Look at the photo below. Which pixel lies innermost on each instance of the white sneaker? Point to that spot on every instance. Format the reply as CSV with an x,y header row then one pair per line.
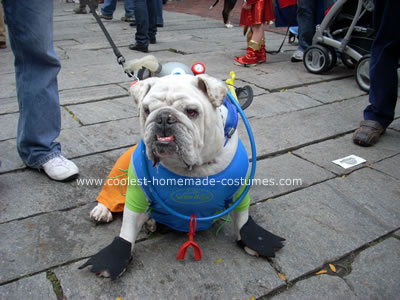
x,y
297,56
60,169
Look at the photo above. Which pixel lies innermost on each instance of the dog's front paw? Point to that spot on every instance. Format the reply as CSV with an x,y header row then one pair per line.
x,y
112,261
257,241
100,213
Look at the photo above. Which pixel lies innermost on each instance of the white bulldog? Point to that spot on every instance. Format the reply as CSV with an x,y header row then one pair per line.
x,y
183,124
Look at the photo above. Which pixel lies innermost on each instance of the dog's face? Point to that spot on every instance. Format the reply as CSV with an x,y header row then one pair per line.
x,y
180,123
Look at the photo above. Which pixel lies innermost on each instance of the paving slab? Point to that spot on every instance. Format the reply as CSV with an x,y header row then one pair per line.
x,y
98,138
49,240
92,75
9,157
89,94
40,194
395,124
104,111
308,126
329,220
5,58
276,75
278,103
9,124
318,287
8,105
390,166
36,287
224,272
282,174
376,270
325,152
8,81
332,91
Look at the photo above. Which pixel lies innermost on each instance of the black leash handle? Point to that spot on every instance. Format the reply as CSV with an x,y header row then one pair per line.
x,y
120,57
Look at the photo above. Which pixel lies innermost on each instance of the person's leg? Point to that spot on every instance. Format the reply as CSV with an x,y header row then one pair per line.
x,y
108,8
254,46
129,6
160,19
152,10
142,26
81,9
30,26
385,54
306,22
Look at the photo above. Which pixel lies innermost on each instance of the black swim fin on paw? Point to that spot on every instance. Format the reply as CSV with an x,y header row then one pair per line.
x,y
114,258
258,239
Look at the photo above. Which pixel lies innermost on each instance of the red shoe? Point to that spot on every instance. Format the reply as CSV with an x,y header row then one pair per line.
x,y
249,59
261,55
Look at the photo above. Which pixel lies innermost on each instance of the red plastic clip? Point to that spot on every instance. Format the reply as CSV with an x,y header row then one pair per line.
x,y
197,251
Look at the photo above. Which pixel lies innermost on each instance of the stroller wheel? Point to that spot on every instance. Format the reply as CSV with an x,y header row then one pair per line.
x,y
362,73
332,58
317,59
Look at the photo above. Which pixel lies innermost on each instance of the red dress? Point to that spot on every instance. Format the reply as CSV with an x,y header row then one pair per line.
x,y
261,11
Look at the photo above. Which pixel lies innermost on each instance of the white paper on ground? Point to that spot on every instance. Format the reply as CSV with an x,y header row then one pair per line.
x,y
349,161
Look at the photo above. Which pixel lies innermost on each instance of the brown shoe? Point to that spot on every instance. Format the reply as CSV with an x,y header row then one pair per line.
x,y
368,133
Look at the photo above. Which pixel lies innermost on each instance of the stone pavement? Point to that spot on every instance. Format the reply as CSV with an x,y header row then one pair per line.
x,y
346,218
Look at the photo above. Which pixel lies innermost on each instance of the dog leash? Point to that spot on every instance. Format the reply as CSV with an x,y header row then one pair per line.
x,y
120,57
273,52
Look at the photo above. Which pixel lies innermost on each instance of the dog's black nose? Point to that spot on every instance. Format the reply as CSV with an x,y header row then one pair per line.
x,y
165,118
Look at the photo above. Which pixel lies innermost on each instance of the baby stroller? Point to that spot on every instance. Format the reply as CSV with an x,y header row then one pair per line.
x,y
346,31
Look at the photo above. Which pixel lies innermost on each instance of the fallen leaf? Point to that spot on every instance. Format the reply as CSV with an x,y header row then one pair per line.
x,y
283,277
218,260
332,267
289,152
119,298
321,272
252,298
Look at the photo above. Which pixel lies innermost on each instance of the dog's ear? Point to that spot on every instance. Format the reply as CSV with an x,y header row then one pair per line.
x,y
214,89
140,89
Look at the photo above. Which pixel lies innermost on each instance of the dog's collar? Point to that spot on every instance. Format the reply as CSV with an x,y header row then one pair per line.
x,y
231,120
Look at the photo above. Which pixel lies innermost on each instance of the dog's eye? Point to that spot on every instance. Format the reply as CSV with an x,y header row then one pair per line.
x,y
191,113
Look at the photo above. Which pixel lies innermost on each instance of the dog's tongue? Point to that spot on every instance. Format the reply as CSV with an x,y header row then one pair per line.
x,y
170,138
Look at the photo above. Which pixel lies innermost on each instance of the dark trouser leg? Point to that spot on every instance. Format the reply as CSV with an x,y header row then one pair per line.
x,y
152,9
385,54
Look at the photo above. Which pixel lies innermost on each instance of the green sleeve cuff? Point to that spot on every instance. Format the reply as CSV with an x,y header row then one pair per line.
x,y
245,204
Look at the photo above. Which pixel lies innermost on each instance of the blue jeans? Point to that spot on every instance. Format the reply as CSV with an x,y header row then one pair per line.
x,y
30,27
309,14
160,19
110,6
146,16
385,55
